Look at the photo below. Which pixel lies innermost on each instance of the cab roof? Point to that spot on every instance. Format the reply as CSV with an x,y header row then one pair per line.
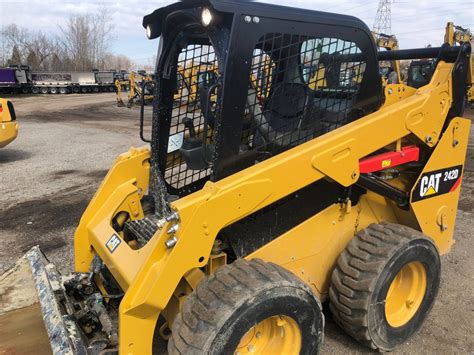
x,y
247,7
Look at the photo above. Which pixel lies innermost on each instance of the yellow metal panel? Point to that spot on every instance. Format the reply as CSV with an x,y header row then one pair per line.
x,y
310,250
8,133
126,182
397,92
437,215
8,128
426,122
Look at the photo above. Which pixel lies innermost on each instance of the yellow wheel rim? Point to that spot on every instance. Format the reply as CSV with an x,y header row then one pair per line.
x,y
405,294
274,335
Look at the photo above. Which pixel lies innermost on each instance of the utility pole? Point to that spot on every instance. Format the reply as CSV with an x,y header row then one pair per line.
x,y
383,19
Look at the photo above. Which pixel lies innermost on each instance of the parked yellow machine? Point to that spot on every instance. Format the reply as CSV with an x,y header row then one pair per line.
x,y
8,124
226,234
456,35
136,84
389,43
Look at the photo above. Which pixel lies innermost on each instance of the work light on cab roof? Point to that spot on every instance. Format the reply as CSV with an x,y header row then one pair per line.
x,y
206,16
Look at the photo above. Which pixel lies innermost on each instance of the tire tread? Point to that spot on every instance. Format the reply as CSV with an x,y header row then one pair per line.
x,y
206,309
355,275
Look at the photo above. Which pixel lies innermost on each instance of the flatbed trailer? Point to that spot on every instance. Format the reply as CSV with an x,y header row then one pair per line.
x,y
20,79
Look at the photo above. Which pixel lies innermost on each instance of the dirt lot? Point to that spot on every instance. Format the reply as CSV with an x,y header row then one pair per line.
x,y
66,145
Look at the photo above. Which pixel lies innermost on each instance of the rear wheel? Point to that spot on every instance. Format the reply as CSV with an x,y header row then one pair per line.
x,y
63,90
76,89
53,90
385,284
249,307
44,90
84,89
35,90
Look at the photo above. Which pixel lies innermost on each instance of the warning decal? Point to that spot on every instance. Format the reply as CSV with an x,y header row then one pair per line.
x,y
113,243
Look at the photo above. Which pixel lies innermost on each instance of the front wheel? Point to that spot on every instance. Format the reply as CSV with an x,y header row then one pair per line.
x,y
249,307
385,284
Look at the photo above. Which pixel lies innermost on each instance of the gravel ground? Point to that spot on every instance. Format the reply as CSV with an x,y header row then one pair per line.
x,y
64,148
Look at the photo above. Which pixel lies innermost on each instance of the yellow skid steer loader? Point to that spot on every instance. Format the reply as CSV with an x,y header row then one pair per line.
x,y
227,233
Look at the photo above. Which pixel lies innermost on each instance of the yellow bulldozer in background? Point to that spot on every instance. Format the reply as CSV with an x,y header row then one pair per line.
x,y
227,232
8,124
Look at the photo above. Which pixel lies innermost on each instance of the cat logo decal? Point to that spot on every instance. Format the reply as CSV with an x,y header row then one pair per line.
x,y
438,182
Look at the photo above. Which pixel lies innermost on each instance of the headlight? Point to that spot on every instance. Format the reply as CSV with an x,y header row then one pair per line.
x,y
148,31
206,17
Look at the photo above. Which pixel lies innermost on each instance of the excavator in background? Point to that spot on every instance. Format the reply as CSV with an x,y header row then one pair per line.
x,y
199,74
226,233
192,79
136,84
8,123
390,73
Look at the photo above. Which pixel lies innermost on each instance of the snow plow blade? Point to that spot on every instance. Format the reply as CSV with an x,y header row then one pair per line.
x,y
31,282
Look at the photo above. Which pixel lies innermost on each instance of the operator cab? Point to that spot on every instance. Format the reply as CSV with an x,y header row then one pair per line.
x,y
274,79
420,73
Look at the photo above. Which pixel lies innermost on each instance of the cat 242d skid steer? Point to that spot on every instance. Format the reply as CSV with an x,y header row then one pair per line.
x,y
244,215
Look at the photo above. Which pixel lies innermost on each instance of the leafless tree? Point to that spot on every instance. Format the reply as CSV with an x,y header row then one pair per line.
x,y
118,62
83,45
25,44
86,39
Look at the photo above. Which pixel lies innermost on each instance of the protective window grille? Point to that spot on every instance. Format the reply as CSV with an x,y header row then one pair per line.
x,y
300,88
196,68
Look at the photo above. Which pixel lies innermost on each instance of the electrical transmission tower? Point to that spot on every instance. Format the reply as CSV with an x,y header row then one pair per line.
x,y
383,19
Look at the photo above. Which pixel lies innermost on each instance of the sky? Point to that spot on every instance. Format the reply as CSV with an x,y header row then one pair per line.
x,y
416,23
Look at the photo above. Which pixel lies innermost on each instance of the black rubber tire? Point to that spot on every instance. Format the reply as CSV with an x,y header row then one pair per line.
x,y
84,90
228,303
44,90
53,90
35,90
364,272
63,90
76,90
